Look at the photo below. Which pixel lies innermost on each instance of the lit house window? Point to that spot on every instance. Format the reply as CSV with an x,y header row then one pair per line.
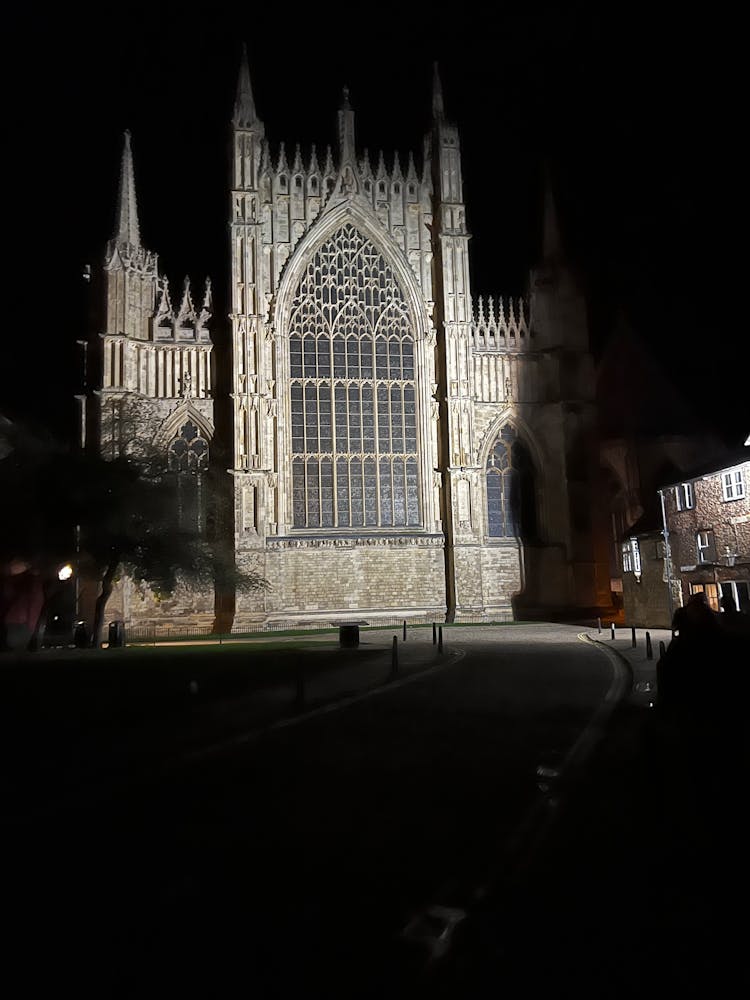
x,y
636,556
733,484
353,392
684,496
710,590
704,542
627,558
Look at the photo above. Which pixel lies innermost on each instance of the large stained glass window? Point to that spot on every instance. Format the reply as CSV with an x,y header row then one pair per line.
x,y
511,506
353,393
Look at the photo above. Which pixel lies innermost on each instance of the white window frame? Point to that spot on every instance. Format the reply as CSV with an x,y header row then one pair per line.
x,y
703,546
734,585
733,484
637,568
627,558
684,496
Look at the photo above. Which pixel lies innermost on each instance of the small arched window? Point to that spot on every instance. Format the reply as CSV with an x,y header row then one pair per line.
x,y
282,182
511,504
314,185
397,189
298,182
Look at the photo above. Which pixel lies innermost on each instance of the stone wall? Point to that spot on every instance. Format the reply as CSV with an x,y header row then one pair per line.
x,y
646,597
728,519
139,606
348,578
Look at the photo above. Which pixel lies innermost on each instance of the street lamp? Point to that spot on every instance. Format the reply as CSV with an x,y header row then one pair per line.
x,y
65,572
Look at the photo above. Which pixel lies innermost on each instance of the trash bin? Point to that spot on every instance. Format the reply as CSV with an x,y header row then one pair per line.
x,y
348,635
116,634
80,635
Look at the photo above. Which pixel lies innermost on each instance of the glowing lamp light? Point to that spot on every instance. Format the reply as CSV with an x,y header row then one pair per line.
x,y
65,572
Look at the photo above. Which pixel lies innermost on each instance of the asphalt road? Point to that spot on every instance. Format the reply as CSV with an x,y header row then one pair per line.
x,y
305,856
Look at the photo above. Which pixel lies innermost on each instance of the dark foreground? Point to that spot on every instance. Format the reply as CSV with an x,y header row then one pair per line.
x,y
289,864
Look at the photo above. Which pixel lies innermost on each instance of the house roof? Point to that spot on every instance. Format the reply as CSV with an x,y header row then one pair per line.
x,y
734,458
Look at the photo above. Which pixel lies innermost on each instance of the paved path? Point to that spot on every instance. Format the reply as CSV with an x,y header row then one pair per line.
x,y
290,859
641,887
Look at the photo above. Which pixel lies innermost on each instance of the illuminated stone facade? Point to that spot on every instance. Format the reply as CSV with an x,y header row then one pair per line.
x,y
399,448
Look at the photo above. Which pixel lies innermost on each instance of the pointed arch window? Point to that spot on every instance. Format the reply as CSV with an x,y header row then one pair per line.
x,y
353,392
511,505
188,450
187,459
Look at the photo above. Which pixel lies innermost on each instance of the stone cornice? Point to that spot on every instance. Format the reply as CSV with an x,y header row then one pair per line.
x,y
354,541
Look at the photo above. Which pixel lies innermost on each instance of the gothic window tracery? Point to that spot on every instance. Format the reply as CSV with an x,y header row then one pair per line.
x,y
187,459
353,392
188,451
511,507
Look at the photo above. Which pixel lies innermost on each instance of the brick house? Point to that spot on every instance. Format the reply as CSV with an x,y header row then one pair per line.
x,y
706,518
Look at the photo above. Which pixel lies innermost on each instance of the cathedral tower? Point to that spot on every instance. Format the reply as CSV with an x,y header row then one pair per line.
x,y
336,496
399,448
155,400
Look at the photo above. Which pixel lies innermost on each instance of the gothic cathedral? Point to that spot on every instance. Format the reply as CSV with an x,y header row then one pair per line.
x,y
400,449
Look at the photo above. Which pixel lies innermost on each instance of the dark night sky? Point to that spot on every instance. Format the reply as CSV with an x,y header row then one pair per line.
x,y
639,119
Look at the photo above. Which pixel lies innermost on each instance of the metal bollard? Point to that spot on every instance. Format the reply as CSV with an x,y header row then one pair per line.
x,y
649,650
612,627
434,633
394,657
440,639
662,648
404,630
599,624
632,636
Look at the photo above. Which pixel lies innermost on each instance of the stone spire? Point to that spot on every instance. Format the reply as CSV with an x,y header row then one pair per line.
x,y
438,108
346,130
244,105
186,315
552,248
127,208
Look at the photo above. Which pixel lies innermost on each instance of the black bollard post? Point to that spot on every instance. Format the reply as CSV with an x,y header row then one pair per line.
x,y
440,639
434,633
394,657
662,648
612,635
649,650
599,624
632,636
404,630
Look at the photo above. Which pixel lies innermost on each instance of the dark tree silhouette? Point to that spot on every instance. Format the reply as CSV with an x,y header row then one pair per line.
x,y
108,517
